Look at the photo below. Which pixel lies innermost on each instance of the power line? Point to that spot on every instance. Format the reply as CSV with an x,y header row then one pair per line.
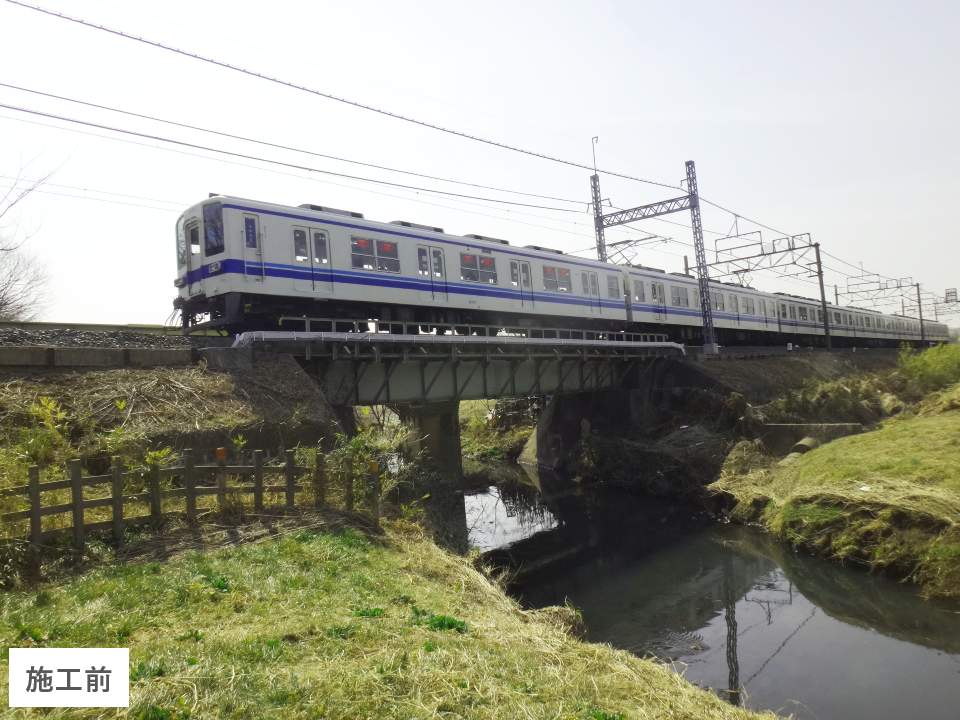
x,y
313,179
318,93
105,200
99,192
281,147
147,136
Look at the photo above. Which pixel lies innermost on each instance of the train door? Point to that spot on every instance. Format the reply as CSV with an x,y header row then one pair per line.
x,y
659,300
252,248
322,265
432,272
521,281
303,274
591,288
194,261
735,308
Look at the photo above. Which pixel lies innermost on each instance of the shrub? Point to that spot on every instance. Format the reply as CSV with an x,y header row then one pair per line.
x,y
931,369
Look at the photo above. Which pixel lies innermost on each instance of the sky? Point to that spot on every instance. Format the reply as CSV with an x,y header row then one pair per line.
x,y
833,119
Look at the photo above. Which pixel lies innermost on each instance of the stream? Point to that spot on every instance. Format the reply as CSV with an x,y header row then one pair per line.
x,y
733,609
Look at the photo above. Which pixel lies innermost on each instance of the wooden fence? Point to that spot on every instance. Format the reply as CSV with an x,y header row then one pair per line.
x,y
190,489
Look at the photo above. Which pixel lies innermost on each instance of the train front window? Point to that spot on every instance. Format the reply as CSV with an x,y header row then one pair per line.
x,y
320,256
213,229
300,246
193,238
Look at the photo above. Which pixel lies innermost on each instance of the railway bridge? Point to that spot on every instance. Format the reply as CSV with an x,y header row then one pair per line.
x,y
425,376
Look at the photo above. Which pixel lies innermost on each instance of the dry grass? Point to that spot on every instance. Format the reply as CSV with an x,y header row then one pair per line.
x,y
321,623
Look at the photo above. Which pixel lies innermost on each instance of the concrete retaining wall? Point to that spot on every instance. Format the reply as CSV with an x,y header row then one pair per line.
x,y
93,357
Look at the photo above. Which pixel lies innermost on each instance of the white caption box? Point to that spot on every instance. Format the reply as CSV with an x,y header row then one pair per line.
x,y
69,677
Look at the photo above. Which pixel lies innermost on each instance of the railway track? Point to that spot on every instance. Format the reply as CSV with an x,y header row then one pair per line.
x,y
99,328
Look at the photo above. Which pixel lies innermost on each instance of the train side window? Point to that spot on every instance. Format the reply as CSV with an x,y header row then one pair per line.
x,y
734,305
437,263
423,262
638,290
361,253
717,300
748,307
250,232
525,275
586,283
213,229
819,316
515,273
468,268
783,311
613,287
594,285
836,318
320,254
679,296
388,256
549,278
300,246
564,281
793,312
488,270
803,313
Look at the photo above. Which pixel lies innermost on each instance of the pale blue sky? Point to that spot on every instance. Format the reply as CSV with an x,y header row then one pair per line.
x,y
838,119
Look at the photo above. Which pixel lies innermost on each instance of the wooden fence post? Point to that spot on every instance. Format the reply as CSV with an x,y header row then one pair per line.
x,y
319,481
348,486
258,481
221,477
375,492
190,481
76,485
156,511
116,492
291,478
36,527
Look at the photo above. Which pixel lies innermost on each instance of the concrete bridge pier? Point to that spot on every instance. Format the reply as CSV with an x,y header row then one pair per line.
x,y
438,426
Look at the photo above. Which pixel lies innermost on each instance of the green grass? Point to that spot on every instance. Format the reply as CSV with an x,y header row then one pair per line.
x,y
330,624
889,498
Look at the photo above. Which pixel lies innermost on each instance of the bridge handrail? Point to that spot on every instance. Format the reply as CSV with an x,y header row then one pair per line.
x,y
247,339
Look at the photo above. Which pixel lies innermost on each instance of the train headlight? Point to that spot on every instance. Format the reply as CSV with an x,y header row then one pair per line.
x,y
179,282
214,267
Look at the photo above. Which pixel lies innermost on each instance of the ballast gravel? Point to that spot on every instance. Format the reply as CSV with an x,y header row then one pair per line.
x,y
112,339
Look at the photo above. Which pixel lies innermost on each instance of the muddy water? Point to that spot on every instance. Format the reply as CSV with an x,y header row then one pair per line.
x,y
731,608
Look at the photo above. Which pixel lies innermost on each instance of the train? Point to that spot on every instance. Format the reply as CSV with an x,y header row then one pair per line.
x,y
246,265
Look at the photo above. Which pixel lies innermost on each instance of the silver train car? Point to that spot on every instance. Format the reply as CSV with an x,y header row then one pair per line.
x,y
245,264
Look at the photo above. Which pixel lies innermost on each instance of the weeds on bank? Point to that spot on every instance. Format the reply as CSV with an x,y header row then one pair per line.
x,y
889,499
346,637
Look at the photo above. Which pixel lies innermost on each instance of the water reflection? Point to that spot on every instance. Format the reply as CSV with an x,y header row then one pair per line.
x,y
737,612
500,515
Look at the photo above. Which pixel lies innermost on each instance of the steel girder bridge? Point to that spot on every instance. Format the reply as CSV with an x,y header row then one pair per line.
x,y
386,368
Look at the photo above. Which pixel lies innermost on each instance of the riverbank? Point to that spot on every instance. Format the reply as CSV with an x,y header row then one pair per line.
x,y
326,621
888,499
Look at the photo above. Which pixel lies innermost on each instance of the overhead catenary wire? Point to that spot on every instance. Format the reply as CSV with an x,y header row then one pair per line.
x,y
312,179
281,147
245,156
319,93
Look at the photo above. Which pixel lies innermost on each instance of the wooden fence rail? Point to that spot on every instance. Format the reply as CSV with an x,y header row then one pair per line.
x,y
154,494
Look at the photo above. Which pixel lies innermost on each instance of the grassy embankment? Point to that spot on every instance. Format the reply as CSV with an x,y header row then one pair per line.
x,y
486,440
889,498
325,623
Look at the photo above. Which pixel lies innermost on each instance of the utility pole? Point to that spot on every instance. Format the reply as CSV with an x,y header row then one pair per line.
x,y
920,313
836,296
823,299
703,279
598,218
